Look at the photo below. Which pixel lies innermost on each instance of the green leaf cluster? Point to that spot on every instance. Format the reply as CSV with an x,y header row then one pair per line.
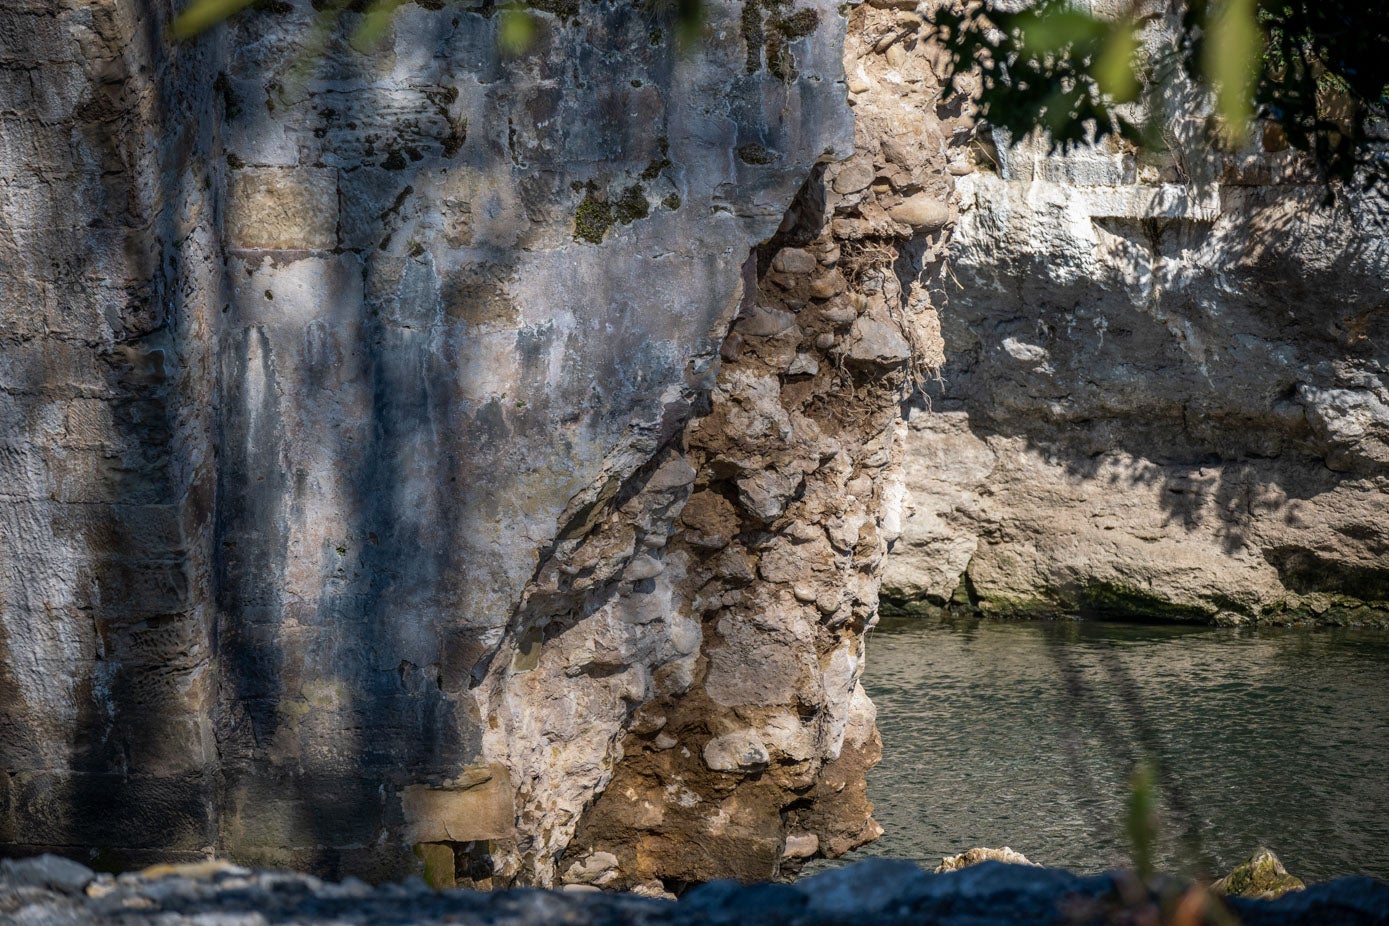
x,y
1316,69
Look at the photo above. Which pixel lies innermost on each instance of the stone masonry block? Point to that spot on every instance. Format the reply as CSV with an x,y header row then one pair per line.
x,y
98,809
480,808
284,209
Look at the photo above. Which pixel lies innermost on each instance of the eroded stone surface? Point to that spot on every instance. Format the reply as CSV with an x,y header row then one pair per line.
x,y
1262,877
749,751
981,854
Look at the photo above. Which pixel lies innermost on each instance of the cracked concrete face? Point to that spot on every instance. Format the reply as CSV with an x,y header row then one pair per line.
x,y
1161,399
311,374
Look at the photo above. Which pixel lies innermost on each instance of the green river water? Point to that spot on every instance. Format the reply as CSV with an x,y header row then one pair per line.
x,y
1024,734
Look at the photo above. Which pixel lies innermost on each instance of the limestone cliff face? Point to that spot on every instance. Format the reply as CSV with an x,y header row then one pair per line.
x,y
1162,398
384,482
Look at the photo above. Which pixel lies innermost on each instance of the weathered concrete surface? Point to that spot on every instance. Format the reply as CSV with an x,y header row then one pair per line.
x,y
874,892
321,365
109,282
504,293
1161,398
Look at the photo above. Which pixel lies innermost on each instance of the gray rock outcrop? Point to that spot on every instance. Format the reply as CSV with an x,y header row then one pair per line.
x,y
1162,398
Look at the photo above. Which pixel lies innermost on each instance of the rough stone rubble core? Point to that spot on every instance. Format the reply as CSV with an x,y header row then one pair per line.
x,y
347,514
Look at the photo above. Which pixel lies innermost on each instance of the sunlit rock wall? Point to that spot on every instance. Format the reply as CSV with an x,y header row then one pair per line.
x,y
314,356
1164,397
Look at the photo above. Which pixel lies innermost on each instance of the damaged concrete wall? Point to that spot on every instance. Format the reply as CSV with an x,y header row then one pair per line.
x,y
319,363
1164,398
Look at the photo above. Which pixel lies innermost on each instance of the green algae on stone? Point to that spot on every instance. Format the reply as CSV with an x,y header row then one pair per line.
x,y
1111,599
632,205
753,35
798,25
654,169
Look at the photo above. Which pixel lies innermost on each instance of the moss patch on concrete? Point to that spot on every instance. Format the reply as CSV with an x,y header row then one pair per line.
x,y
592,220
753,153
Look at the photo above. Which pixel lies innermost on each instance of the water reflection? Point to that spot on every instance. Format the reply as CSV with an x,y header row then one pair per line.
x,y
1024,734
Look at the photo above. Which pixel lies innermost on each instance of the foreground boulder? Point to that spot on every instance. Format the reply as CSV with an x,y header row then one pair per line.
x,y
1263,876
877,891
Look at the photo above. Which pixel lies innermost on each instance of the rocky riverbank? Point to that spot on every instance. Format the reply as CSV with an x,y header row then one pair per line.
x,y
48,891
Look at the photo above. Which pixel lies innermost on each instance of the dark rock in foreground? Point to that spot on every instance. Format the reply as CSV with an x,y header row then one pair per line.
x,y
49,892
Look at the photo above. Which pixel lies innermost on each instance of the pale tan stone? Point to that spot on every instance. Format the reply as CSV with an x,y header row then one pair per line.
x,y
277,208
468,813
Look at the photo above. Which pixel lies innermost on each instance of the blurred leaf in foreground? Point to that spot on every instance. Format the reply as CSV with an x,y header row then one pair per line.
x,y
201,15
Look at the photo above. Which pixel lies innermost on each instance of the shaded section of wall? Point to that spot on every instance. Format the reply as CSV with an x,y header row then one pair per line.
x,y
107,265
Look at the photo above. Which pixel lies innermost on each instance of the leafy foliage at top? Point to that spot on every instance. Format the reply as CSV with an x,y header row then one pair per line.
x,y
1319,69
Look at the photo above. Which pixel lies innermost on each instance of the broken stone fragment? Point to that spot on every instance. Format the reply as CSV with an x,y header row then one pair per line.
x,y
734,752
898,151
794,260
803,365
982,854
801,845
827,285
764,322
838,313
710,520
597,868
877,342
643,567
786,734
855,175
766,493
921,210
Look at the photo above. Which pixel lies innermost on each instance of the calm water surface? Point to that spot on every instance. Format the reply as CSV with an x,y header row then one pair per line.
x,y
1024,734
